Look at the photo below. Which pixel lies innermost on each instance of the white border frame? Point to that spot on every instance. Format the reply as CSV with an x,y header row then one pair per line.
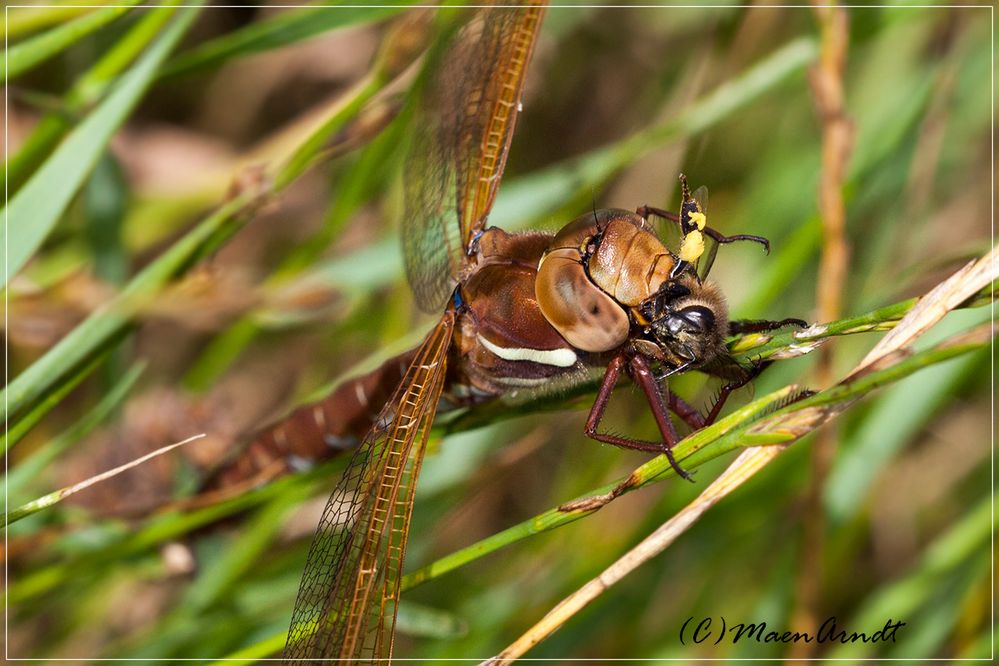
x,y
635,6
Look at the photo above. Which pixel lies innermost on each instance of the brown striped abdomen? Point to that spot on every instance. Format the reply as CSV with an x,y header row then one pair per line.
x,y
315,432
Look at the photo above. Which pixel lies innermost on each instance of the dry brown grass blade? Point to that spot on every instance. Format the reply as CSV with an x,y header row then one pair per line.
x,y
838,131
59,495
743,468
932,307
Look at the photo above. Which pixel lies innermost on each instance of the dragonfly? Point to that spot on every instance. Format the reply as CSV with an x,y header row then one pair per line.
x,y
518,311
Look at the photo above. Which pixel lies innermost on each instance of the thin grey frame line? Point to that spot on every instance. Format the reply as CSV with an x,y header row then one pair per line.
x,y
432,6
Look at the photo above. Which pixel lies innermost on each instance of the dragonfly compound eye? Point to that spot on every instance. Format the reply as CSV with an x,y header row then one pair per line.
x,y
580,311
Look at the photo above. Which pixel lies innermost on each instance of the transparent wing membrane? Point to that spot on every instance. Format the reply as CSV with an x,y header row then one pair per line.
x,y
707,259
462,128
462,125
346,604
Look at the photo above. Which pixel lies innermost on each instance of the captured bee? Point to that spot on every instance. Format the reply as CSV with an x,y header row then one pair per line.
x,y
613,290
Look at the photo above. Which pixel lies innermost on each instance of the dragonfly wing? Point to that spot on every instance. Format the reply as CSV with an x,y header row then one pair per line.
x,y
346,605
463,125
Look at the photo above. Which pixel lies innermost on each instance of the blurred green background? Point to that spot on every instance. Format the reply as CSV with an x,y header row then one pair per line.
x,y
126,128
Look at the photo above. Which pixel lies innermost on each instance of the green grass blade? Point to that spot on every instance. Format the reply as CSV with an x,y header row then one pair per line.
x,y
552,187
156,531
700,447
894,419
427,622
22,57
89,88
220,576
105,200
227,347
252,654
655,469
35,209
30,468
543,522
102,327
18,429
54,498
25,20
309,151
534,194
950,552
281,30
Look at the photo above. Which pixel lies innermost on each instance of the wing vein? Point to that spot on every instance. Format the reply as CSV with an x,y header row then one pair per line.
x,y
359,545
462,128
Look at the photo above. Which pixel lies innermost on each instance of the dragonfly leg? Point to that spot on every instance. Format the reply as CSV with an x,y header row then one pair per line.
x,y
591,430
642,374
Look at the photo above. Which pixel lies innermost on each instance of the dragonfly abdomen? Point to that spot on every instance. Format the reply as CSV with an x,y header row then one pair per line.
x,y
314,432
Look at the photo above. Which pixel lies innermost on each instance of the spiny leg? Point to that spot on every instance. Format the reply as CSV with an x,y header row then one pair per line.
x,y
642,374
645,211
726,390
743,326
721,239
687,412
612,374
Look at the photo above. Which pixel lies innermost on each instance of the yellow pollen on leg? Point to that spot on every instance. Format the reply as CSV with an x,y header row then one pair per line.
x,y
700,219
692,247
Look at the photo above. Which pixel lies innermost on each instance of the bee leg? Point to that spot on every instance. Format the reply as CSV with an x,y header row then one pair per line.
x,y
687,412
686,226
645,211
720,401
726,390
720,238
742,326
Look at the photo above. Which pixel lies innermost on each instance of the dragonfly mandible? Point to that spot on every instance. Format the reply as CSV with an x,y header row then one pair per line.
x,y
519,311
